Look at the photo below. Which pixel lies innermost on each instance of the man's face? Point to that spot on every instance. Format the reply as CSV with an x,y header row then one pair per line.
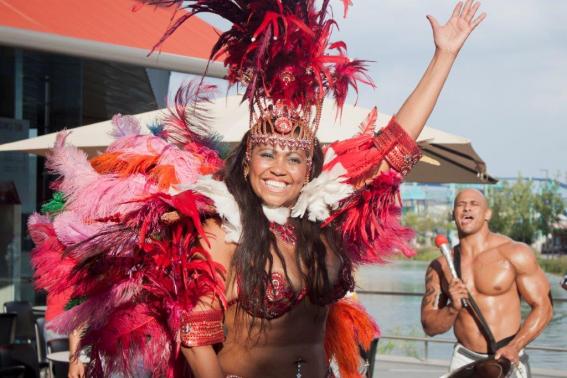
x,y
470,211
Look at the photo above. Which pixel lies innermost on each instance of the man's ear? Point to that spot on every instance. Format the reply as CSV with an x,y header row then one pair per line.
x,y
488,215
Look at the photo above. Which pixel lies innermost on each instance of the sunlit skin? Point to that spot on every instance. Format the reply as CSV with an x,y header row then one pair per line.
x,y
498,272
277,174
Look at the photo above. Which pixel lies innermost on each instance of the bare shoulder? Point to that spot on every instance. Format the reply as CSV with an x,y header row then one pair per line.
x,y
520,255
438,262
436,268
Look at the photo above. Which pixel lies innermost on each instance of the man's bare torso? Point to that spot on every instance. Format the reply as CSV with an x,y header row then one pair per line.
x,y
491,279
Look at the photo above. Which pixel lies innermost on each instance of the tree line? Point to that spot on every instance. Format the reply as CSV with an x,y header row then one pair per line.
x,y
520,210
523,213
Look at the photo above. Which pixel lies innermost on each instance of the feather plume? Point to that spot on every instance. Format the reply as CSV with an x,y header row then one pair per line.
x,y
370,221
70,164
55,205
71,229
323,194
187,120
348,329
47,256
124,126
269,39
225,204
369,124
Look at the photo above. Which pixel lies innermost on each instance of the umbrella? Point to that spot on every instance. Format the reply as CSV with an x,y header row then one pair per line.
x,y
447,158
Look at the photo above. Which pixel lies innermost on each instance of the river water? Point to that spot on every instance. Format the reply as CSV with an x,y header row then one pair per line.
x,y
400,315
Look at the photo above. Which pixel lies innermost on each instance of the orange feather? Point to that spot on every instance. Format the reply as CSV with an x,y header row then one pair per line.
x,y
349,328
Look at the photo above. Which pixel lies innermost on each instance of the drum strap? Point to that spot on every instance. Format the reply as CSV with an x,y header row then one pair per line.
x,y
474,309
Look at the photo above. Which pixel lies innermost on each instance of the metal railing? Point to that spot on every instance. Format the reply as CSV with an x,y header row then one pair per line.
x,y
409,294
427,340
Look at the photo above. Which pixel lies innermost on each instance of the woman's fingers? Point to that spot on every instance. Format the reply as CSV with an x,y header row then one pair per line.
x,y
457,10
472,11
478,20
466,8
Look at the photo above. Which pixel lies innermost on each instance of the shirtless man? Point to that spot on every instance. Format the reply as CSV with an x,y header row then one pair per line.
x,y
498,272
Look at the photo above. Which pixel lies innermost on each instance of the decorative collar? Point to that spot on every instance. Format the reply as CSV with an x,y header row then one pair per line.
x,y
277,215
285,232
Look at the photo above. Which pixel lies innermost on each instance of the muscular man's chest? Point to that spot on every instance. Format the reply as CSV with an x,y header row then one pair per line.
x,y
488,273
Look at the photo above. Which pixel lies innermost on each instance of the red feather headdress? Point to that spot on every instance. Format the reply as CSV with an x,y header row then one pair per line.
x,y
280,50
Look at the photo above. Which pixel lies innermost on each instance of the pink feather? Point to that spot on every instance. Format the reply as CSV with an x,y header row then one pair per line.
x,y
71,229
124,126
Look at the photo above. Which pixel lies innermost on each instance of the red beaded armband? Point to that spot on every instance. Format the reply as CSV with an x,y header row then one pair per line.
x,y
202,328
401,151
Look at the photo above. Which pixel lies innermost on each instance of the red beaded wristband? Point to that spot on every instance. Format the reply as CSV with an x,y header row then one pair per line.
x,y
202,328
400,150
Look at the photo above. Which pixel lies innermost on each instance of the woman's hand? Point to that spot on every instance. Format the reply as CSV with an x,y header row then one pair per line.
x,y
171,217
76,369
451,36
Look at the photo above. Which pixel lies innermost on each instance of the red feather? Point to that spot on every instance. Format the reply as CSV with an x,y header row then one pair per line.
x,y
138,277
293,34
370,221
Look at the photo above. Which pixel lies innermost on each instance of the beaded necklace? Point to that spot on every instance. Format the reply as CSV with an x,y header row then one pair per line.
x,y
284,232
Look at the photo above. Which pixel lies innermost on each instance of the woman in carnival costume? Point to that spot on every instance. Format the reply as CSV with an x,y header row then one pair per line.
x,y
179,263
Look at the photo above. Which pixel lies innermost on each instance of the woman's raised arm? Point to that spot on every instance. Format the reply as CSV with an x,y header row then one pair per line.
x,y
449,39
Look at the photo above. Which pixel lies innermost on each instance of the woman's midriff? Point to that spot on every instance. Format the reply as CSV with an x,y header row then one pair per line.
x,y
275,351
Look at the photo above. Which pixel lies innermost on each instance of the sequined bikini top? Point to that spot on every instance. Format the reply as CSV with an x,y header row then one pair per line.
x,y
280,297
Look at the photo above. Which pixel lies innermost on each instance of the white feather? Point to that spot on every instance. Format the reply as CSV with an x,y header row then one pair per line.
x,y
278,215
226,205
323,194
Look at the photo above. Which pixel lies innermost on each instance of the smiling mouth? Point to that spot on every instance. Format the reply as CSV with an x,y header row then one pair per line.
x,y
275,186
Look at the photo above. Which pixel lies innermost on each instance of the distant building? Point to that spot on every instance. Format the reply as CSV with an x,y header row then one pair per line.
x,y
556,244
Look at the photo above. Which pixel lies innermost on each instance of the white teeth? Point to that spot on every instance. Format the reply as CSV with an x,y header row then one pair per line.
x,y
276,184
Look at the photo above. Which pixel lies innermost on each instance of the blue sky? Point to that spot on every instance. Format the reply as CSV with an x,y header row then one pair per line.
x,y
507,91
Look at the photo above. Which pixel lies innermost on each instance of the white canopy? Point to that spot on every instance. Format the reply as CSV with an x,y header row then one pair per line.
x,y
447,157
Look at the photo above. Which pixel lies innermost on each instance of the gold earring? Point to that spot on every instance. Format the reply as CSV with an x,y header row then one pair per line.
x,y
246,171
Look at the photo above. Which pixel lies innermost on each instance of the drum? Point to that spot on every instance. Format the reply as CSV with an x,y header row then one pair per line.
x,y
486,368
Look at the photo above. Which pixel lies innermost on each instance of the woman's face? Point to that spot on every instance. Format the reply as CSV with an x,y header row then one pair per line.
x,y
277,175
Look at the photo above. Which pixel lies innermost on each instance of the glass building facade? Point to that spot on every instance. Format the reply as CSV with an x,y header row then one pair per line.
x,y
42,93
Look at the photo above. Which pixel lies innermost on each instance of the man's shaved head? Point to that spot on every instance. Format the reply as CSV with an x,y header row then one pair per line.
x,y
471,212
472,193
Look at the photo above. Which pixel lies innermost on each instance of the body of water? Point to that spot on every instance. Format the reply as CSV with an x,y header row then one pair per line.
x,y
400,315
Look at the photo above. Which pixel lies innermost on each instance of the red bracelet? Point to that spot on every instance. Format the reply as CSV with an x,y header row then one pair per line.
x,y
400,150
202,328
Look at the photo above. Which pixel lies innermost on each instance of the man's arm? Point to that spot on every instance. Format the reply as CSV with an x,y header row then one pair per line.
x,y
534,289
437,315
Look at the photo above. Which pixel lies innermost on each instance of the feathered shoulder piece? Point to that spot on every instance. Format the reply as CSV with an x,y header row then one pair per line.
x,y
104,247
360,200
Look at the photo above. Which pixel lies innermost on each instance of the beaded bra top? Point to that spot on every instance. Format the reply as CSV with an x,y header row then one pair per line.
x,y
280,298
